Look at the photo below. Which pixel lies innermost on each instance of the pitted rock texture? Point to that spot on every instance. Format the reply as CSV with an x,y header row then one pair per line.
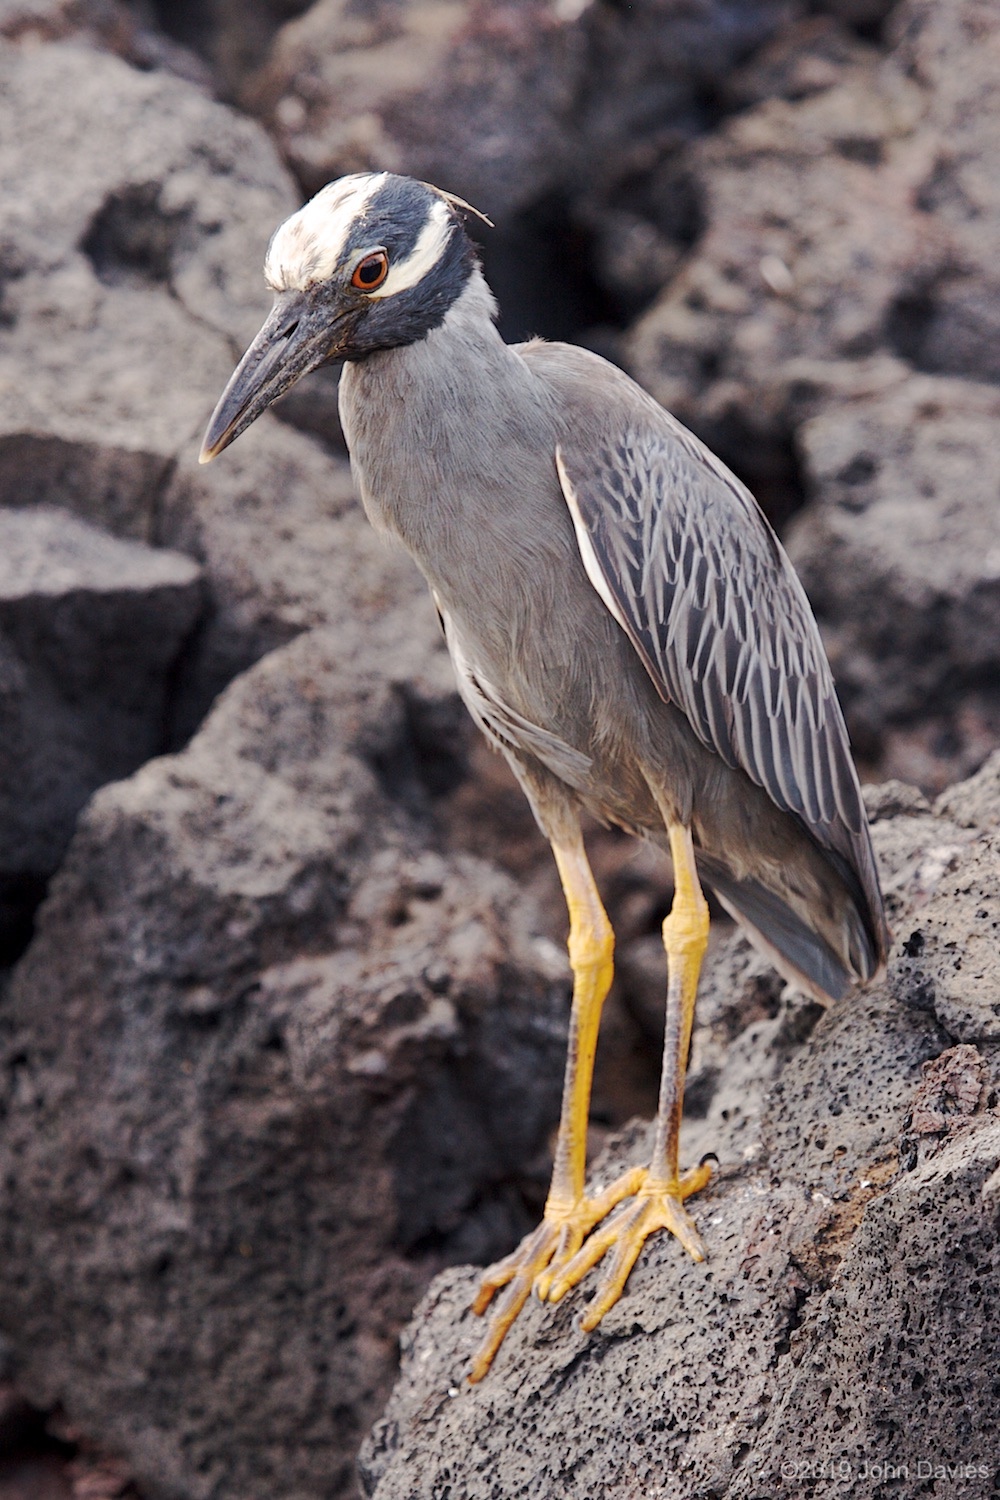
x,y
269,1063
90,631
847,1251
812,234
563,122
142,240
899,556
503,104
831,334
848,224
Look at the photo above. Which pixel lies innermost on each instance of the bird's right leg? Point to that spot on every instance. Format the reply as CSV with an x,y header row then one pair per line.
x,y
569,1216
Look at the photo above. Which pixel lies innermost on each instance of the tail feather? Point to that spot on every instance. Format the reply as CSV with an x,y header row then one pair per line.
x,y
796,949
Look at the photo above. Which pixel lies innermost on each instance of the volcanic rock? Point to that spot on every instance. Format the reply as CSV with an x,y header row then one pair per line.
x,y
898,552
91,629
269,1063
111,25
142,239
812,235
849,222
849,1305
561,121
470,97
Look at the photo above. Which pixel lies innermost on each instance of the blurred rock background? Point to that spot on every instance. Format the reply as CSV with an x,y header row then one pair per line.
x,y
282,990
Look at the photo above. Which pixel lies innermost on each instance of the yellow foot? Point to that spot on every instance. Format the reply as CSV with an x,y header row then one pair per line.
x,y
656,1205
537,1259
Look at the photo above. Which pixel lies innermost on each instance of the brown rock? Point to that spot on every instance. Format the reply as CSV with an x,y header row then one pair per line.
x,y
849,1289
289,1062
91,629
950,1092
897,554
812,235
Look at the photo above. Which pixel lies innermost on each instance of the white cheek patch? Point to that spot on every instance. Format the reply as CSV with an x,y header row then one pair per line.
x,y
587,554
307,248
423,257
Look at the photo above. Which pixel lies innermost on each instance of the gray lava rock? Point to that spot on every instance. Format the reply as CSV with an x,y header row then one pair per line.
x,y
475,98
112,25
562,121
849,223
899,554
91,629
277,527
269,1063
812,234
142,240
951,322
847,1315
504,104
233,36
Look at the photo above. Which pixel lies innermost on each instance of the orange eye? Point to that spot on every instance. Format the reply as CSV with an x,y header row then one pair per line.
x,y
371,272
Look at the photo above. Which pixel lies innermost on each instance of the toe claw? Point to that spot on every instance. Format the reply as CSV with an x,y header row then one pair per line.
x,y
565,1246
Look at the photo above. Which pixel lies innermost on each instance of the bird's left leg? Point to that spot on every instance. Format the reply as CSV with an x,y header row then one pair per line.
x,y
569,1215
658,1193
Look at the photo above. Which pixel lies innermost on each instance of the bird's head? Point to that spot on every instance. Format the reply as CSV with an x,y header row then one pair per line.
x,y
372,262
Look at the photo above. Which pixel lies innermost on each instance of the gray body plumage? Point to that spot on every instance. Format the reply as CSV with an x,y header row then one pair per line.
x,y
625,627
697,693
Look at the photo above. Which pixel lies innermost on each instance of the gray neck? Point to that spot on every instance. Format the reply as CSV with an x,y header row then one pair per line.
x,y
452,441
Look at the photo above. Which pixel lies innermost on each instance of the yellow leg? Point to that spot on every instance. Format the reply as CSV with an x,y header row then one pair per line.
x,y
658,1193
568,1214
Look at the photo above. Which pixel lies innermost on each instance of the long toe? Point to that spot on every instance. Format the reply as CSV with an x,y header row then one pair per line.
x,y
655,1206
539,1257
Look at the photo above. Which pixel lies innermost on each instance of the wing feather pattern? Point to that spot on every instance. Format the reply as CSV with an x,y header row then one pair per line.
x,y
688,565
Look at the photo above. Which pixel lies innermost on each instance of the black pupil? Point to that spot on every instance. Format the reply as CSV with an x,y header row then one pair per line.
x,y
369,271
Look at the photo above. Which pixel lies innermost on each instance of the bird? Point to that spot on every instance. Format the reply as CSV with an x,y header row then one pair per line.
x,y
625,628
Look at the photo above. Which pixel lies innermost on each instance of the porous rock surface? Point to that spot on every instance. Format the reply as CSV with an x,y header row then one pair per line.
x,y
833,330
849,219
812,231
900,556
112,25
141,241
91,628
269,1063
560,119
849,1312
501,103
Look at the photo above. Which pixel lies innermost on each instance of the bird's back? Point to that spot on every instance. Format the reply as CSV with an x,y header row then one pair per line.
x,y
454,443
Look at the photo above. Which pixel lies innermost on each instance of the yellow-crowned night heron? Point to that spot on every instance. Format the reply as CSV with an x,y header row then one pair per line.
x,y
625,627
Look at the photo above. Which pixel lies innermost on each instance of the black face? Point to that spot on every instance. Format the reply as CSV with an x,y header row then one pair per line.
x,y
394,219
343,316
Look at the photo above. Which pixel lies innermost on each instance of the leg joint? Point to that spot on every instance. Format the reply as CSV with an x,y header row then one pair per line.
x,y
685,929
591,941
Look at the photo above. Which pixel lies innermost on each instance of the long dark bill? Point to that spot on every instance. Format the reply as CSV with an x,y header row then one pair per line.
x,y
300,334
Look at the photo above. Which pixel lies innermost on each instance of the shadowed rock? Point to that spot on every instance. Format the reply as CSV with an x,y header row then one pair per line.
x,y
269,1063
846,1249
899,555
91,629
141,240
